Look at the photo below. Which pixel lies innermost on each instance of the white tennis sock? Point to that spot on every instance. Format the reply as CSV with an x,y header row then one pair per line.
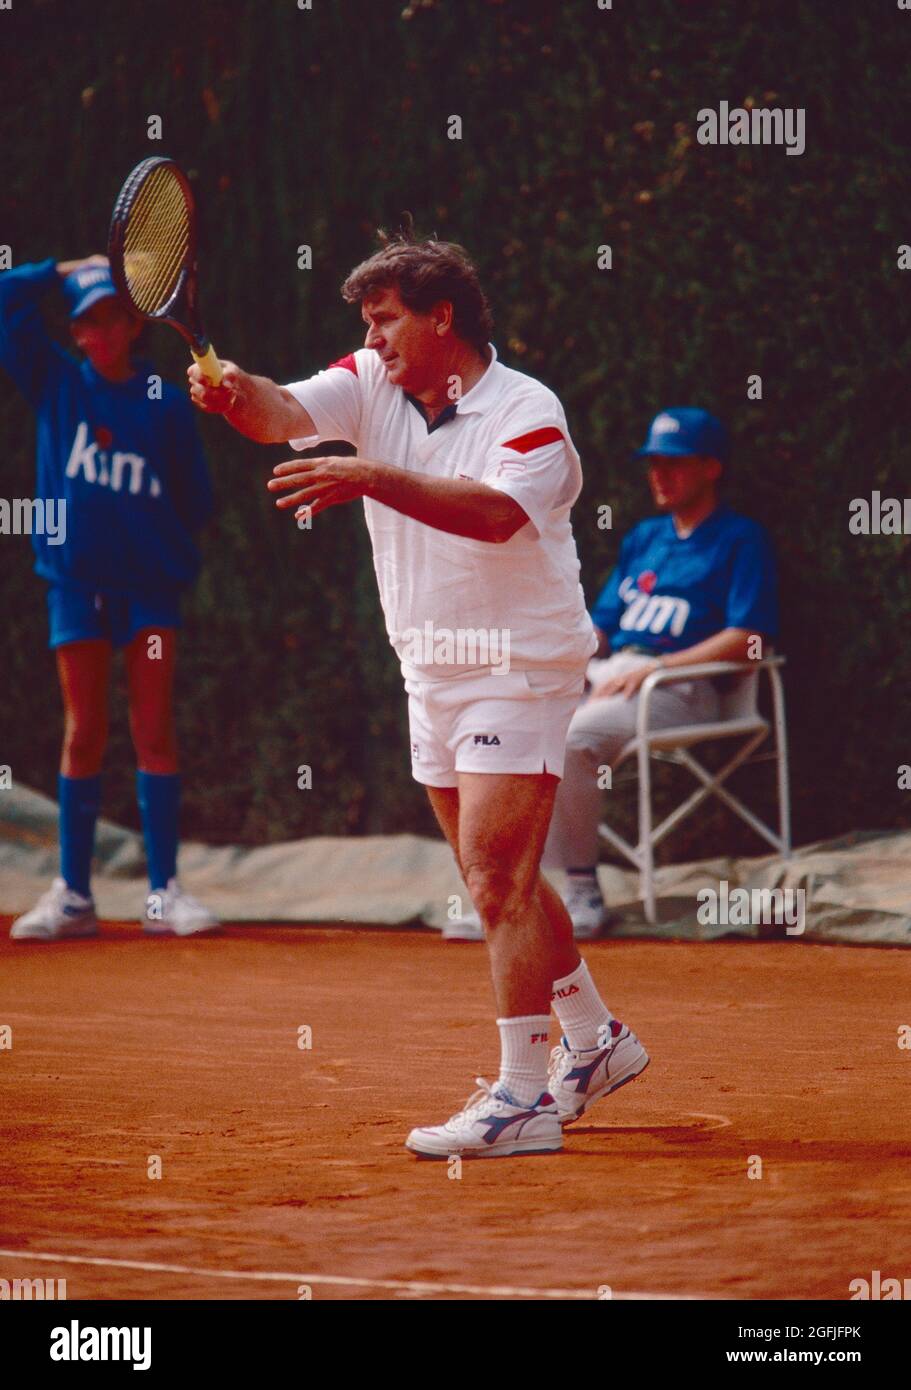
x,y
580,1008
524,1054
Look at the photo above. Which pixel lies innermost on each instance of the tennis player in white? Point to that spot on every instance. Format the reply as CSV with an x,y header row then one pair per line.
x,y
468,475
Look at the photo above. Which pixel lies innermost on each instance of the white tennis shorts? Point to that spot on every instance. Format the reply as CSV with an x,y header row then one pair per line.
x,y
515,722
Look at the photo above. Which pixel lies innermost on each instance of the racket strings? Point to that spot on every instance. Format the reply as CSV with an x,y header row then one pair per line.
x,y
156,241
156,205
147,222
155,261
159,200
153,273
167,272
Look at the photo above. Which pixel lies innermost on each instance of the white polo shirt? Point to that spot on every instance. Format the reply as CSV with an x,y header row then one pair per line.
x,y
454,605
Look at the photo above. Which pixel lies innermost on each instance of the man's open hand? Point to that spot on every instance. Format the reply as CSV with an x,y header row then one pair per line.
x,y
315,484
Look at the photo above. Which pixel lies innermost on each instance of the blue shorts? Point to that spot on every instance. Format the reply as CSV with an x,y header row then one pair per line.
x,y
79,613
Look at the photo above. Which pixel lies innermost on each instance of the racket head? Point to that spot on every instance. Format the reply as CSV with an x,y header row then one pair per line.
x,y
152,245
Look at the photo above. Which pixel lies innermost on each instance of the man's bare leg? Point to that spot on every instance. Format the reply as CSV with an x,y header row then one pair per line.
x,y
446,808
496,825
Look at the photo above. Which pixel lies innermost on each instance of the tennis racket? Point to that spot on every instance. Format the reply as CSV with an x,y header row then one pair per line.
x,y
152,251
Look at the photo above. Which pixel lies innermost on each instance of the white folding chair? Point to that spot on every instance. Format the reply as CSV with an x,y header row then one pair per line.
x,y
739,717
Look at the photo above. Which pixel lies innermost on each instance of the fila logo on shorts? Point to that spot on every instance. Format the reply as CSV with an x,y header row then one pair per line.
x,y
487,740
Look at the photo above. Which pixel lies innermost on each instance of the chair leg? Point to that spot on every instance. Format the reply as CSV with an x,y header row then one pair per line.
x,y
781,748
646,846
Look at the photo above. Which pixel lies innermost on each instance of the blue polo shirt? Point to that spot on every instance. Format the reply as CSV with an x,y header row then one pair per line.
x,y
131,470
669,592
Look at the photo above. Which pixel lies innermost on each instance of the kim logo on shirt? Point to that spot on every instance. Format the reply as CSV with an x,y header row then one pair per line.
x,y
119,470
647,611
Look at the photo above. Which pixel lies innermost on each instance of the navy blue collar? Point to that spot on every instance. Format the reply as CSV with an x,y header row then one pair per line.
x,y
445,415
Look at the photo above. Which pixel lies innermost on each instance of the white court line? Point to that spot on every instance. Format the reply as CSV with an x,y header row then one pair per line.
x,y
338,1280
722,1120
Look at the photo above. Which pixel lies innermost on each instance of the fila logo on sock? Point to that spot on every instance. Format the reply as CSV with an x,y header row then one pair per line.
x,y
488,740
565,993
539,1037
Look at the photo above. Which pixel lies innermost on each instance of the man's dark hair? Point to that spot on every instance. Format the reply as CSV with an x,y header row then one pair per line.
x,y
426,271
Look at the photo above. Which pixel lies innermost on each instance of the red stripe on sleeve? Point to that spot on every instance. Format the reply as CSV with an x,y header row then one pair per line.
x,y
524,443
347,362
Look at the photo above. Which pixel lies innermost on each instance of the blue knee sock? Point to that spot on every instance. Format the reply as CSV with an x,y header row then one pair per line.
x,y
80,800
158,795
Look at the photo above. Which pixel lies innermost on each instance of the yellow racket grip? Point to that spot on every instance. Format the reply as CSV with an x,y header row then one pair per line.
x,y
209,365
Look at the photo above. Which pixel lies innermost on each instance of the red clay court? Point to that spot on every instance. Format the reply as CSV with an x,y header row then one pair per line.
x,y
283,1166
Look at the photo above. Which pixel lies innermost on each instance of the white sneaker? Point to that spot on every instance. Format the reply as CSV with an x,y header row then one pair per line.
x,y
172,912
465,928
586,907
58,913
492,1125
577,1079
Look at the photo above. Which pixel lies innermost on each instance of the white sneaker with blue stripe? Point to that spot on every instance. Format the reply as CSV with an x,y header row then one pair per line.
x,y
578,1078
492,1125
59,913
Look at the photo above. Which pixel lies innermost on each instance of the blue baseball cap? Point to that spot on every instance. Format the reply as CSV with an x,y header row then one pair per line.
x,y
86,286
685,431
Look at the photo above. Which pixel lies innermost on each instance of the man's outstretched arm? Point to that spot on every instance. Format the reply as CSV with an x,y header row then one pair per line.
x,y
253,405
269,414
463,507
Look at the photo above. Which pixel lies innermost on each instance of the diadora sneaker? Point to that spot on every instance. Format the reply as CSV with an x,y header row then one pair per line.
x,y
586,907
172,912
577,1079
60,912
492,1125
465,928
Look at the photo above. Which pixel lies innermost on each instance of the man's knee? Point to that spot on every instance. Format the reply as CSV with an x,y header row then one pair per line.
x,y
498,889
